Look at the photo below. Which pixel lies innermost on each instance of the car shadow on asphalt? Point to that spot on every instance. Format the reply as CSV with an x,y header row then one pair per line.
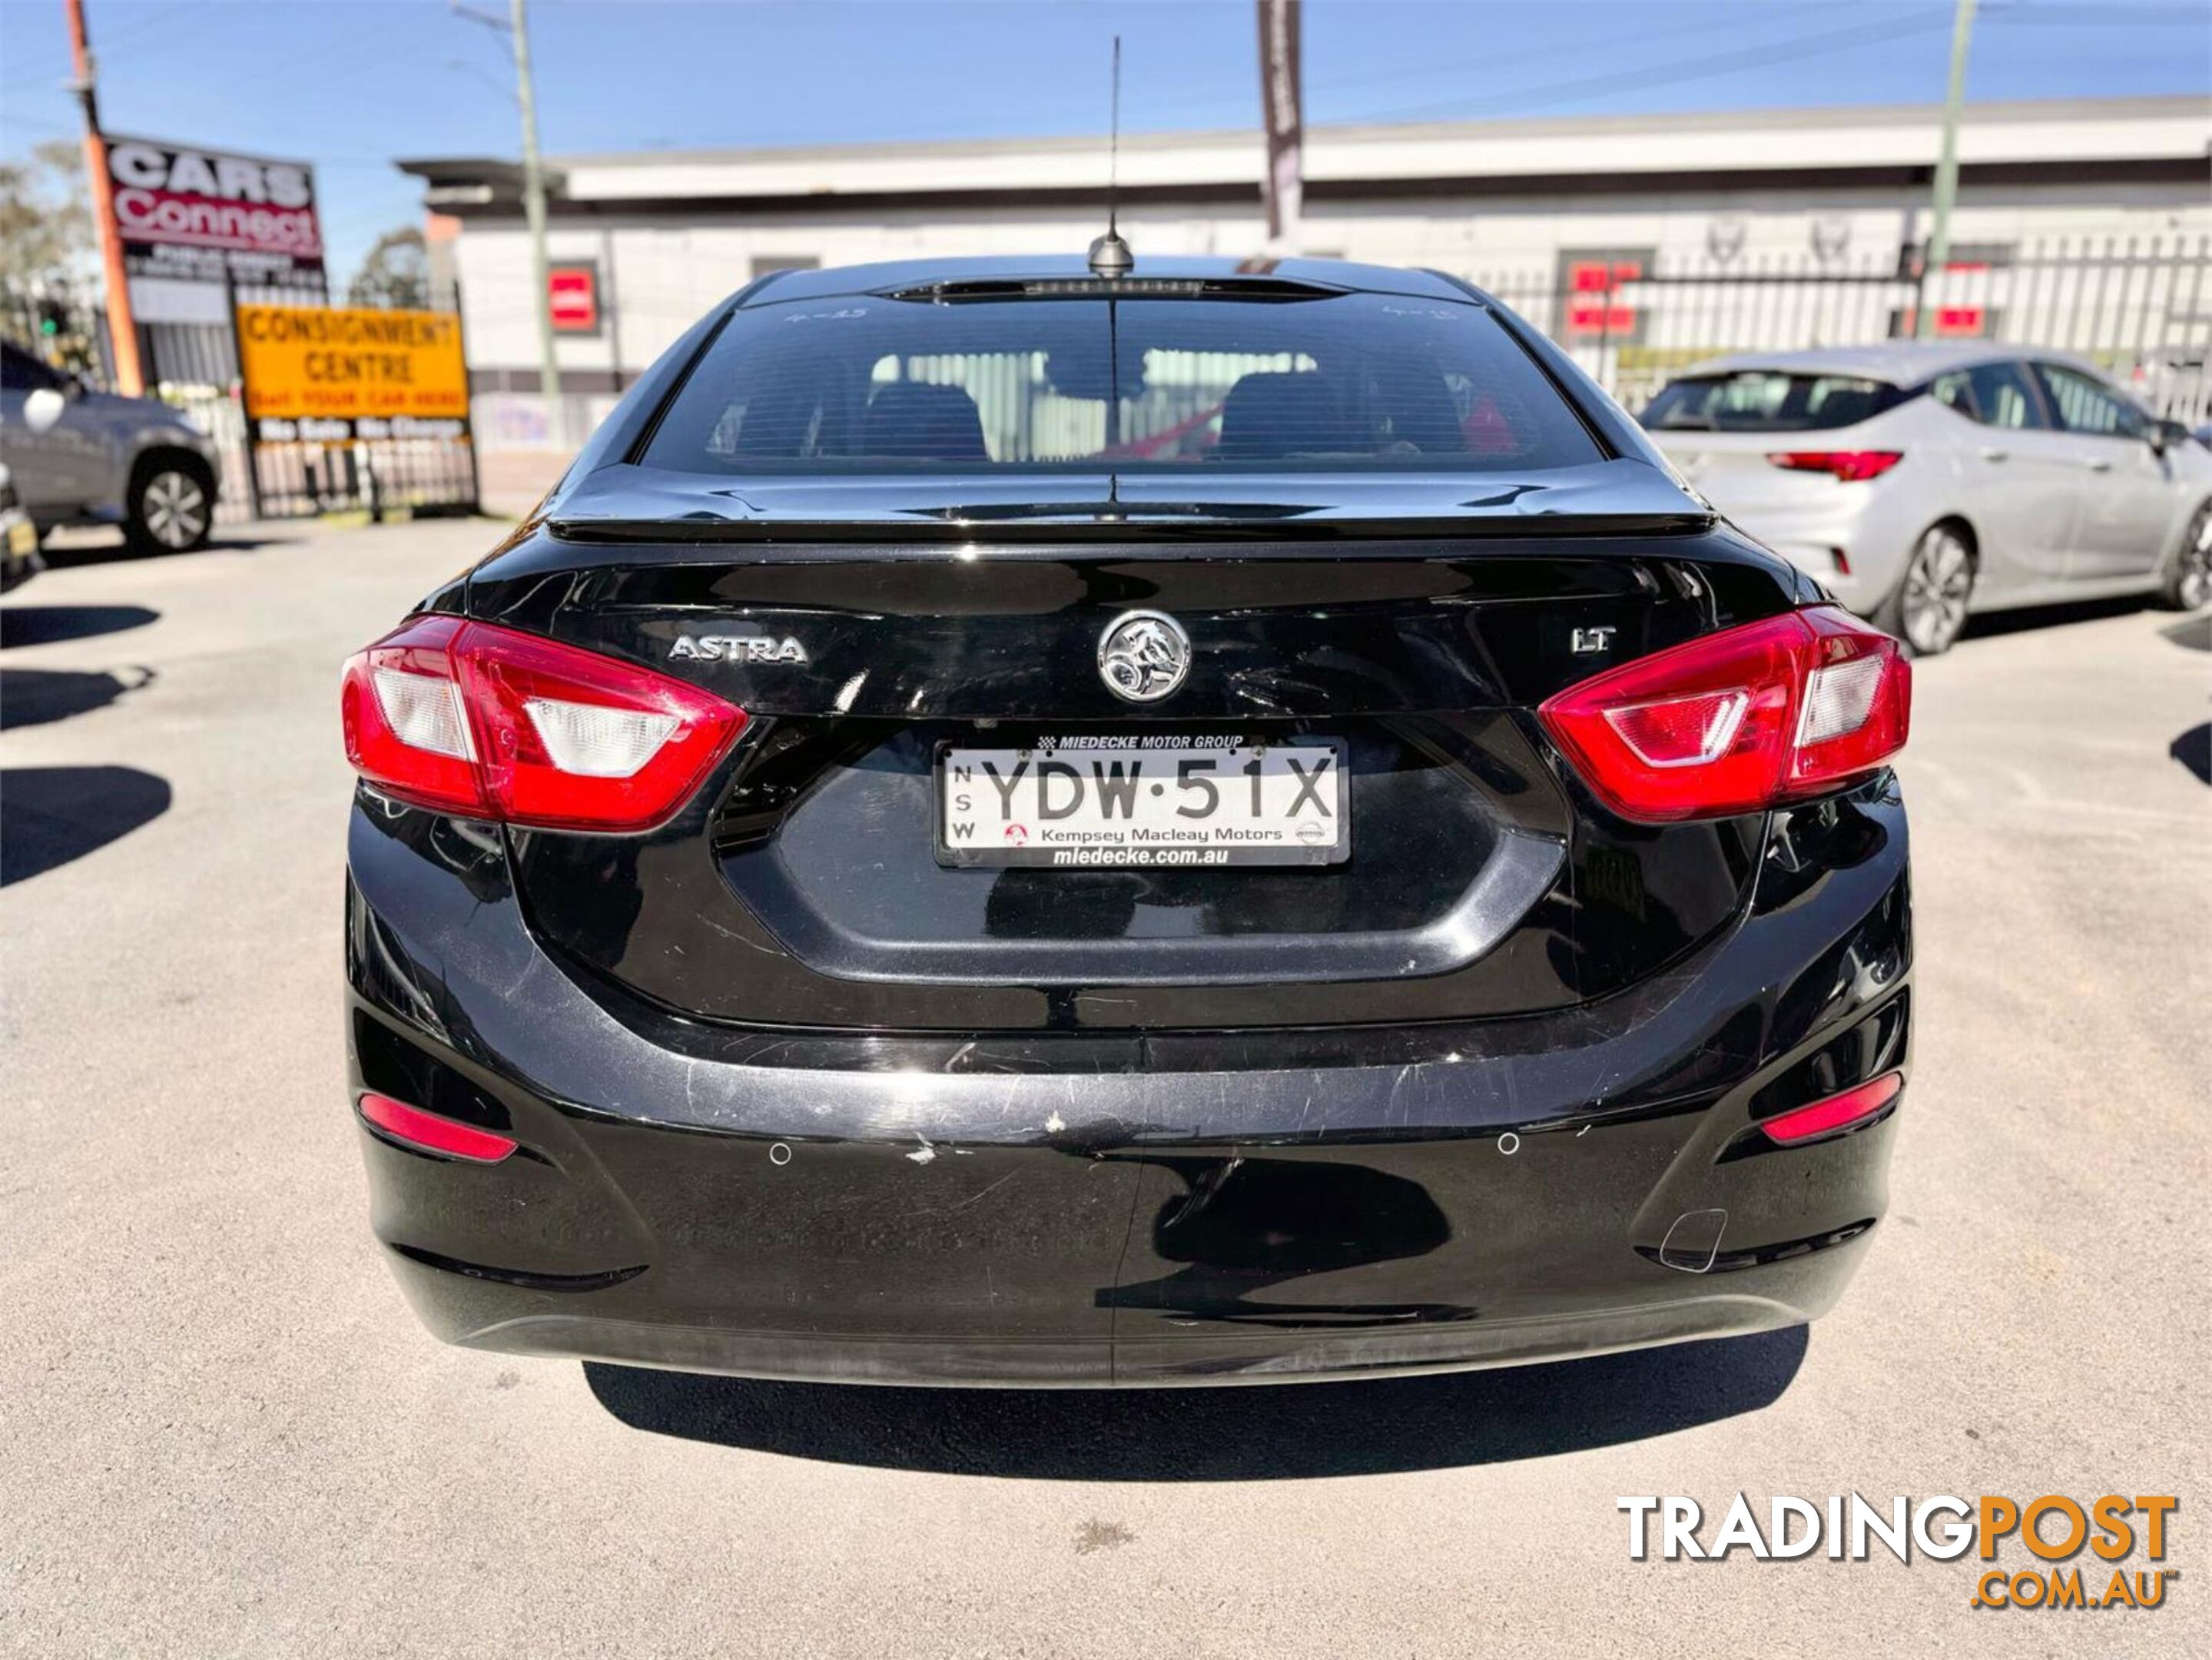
x,y
52,815
1994,624
1246,1433
72,553
34,697
2191,633
44,625
2193,749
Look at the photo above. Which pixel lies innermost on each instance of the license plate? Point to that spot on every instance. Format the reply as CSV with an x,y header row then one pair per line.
x,y
1112,803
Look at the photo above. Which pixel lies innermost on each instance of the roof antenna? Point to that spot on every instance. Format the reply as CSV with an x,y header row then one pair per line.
x,y
1109,254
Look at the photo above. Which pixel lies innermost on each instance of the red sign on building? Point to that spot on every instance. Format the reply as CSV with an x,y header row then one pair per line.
x,y
1593,303
573,291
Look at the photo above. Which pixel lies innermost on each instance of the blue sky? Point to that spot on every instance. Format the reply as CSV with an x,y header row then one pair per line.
x,y
349,84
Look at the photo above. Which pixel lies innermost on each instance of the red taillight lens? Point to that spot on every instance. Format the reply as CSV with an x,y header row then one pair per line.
x,y
427,1130
1739,721
1852,466
480,720
1837,1112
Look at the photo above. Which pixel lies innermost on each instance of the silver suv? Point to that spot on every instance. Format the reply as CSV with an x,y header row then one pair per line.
x,y
80,456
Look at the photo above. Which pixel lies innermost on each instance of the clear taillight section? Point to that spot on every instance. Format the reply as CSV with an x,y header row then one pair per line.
x,y
480,720
1739,721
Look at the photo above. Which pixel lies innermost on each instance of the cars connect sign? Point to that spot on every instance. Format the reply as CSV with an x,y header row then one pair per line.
x,y
199,215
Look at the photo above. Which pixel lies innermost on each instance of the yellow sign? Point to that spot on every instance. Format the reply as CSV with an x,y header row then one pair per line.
x,y
309,362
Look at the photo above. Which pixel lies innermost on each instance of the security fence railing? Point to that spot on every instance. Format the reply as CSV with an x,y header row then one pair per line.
x,y
194,367
2138,308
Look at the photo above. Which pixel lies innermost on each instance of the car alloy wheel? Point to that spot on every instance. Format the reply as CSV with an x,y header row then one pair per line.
x,y
2192,582
1937,582
173,508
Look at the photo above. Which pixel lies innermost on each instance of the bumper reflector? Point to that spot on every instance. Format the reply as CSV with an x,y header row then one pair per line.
x,y
1853,1108
431,1133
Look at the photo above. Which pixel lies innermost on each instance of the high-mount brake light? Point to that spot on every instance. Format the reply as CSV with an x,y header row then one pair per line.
x,y
1851,466
472,719
1749,717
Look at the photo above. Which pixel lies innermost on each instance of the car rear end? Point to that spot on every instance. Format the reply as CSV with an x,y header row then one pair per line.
x,y
899,887
1829,466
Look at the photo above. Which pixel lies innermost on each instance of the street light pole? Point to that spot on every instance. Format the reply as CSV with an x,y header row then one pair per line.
x,y
516,26
122,326
533,211
1947,168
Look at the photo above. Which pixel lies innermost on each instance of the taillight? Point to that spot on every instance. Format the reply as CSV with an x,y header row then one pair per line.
x,y
1746,719
1852,466
480,720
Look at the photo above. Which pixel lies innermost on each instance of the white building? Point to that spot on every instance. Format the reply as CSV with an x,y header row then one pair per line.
x,y
1642,239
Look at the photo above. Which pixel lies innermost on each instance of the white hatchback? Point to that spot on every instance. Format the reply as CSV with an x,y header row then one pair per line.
x,y
1921,482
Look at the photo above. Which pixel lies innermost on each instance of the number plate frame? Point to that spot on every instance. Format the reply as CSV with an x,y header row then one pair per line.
x,y
1221,856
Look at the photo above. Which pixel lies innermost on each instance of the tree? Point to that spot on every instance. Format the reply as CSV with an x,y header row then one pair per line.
x,y
46,224
46,252
396,273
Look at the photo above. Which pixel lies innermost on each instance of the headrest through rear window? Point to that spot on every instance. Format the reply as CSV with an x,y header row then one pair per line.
x,y
915,421
1846,406
1267,416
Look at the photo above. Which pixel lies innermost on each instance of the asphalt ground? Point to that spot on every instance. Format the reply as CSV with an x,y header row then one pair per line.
x,y
222,1432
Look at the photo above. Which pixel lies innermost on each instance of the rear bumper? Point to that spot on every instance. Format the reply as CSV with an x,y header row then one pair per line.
x,y
1873,527
1072,1209
1280,1356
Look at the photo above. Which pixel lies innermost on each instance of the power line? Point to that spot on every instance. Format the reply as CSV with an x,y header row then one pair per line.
x,y
132,37
1681,69
2100,17
1552,50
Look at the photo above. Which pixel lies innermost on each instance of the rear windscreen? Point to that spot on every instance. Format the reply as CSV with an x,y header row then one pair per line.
x,y
1767,401
1357,381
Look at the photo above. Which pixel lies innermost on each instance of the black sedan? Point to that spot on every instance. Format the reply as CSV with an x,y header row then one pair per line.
x,y
1010,825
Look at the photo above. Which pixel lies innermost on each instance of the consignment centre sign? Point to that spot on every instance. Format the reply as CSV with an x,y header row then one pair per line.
x,y
326,375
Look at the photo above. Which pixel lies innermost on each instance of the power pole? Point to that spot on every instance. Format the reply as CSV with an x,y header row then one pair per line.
x,y
1947,169
1281,97
533,211
516,26
122,327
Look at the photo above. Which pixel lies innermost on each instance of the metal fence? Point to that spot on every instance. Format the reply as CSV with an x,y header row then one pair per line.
x,y
196,367
2139,307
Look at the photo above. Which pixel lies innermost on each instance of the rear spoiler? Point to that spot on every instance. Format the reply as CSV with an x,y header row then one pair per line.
x,y
622,503
1063,526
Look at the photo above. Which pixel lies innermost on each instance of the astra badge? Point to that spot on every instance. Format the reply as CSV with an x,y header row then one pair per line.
x,y
1143,655
738,648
